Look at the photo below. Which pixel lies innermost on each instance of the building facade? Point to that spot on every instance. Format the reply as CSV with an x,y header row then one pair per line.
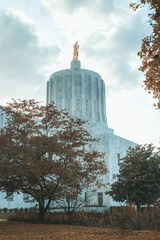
x,y
82,93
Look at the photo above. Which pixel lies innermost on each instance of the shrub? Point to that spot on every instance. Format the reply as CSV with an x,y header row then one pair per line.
x,y
122,217
21,210
26,209
15,210
10,210
24,217
129,218
5,210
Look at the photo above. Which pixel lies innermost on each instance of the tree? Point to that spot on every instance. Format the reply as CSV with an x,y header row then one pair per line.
x,y
138,180
150,49
43,150
74,198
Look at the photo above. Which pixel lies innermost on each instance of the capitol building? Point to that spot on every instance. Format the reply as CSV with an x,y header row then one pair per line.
x,y
82,93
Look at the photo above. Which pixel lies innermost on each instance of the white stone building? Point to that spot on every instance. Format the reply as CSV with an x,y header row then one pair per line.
x,y
82,93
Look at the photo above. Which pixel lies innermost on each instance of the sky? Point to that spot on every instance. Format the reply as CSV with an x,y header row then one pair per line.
x,y
37,39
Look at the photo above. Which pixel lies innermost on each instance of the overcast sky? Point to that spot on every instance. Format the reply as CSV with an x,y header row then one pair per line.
x,y
37,38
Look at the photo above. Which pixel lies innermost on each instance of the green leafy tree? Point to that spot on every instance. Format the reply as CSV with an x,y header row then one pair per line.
x,y
150,49
138,180
43,151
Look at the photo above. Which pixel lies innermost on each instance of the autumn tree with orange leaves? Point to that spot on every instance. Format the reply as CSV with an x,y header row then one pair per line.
x,y
44,152
150,49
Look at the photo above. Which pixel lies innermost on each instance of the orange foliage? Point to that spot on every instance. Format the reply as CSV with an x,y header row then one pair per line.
x,y
150,50
46,154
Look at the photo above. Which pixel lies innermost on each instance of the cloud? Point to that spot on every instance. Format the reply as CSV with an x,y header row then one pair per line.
x,y
109,35
72,6
116,49
107,31
79,19
22,57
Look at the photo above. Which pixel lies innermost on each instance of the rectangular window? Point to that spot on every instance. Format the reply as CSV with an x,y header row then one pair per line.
x,y
118,157
85,197
100,199
10,197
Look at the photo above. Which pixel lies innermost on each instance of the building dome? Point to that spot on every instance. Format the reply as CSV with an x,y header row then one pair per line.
x,y
80,91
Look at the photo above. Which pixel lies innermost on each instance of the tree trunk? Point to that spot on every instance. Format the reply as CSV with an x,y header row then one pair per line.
x,y
42,210
41,214
138,206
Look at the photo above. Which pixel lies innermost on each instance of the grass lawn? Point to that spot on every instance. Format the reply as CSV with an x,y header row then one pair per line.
x,y
24,231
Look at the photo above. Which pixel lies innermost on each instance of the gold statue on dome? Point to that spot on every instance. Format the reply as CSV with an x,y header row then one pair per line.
x,y
75,51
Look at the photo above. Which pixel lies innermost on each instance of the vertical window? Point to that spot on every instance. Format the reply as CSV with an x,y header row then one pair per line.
x,y
85,197
118,157
100,199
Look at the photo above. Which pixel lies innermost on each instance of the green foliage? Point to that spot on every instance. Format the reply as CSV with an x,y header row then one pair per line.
x,y
138,180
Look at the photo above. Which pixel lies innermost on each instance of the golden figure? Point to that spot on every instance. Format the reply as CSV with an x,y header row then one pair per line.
x,y
75,51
